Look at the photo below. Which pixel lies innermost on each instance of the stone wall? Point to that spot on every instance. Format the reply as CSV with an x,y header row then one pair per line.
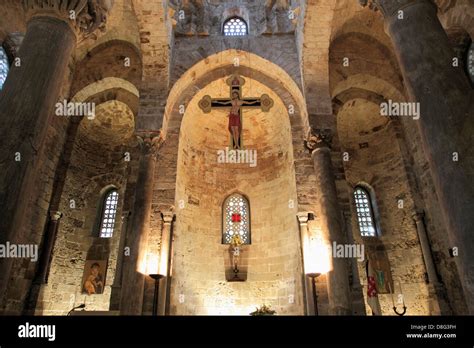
x,y
375,159
200,260
48,158
97,162
420,177
280,50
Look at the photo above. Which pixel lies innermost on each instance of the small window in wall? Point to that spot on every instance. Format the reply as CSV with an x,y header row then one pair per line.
x,y
236,219
470,62
365,212
109,212
235,26
4,66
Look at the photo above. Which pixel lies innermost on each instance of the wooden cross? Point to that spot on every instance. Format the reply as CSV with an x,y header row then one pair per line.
x,y
235,82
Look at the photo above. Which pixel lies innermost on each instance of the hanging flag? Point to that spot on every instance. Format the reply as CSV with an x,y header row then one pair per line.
x,y
372,296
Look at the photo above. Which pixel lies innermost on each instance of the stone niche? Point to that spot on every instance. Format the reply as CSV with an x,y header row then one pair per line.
x,y
200,260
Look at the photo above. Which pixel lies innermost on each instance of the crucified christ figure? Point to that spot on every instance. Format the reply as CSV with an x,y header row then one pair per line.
x,y
235,125
236,104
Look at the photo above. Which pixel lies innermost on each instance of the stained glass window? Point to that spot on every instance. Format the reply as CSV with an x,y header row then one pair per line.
x,y
236,219
109,211
235,27
365,212
4,67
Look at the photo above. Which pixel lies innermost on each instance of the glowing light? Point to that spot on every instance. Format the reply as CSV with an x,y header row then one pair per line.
x,y
317,257
152,263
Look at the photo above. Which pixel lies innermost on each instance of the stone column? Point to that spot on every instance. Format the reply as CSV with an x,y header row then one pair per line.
x,y
437,303
358,303
42,271
304,238
135,265
446,123
350,239
117,285
48,246
165,259
27,103
331,222
425,248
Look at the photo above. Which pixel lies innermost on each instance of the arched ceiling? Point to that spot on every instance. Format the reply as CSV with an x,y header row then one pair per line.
x,y
268,132
357,118
218,66
112,59
112,125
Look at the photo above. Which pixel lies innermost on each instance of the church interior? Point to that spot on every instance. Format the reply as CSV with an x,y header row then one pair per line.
x,y
236,157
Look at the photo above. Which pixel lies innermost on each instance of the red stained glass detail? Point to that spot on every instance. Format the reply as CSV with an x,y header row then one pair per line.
x,y
236,217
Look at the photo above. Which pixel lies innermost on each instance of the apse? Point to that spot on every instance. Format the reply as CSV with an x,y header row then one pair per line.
x,y
272,260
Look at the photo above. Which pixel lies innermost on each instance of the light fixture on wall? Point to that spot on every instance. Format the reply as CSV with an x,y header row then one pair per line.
x,y
157,278
313,277
317,263
153,272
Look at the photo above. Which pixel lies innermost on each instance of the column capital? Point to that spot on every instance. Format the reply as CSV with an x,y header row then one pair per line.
x,y
302,217
418,216
55,215
83,16
318,138
150,142
168,216
391,7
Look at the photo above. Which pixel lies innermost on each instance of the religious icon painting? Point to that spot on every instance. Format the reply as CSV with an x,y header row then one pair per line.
x,y
93,279
383,274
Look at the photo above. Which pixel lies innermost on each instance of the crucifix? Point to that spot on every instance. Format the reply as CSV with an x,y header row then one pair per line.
x,y
235,103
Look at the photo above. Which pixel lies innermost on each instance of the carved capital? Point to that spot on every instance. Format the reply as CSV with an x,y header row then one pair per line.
x,y
55,215
168,216
84,16
418,216
390,7
302,217
318,138
150,142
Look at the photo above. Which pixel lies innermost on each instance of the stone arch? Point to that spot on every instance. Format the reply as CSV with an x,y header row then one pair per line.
x,y
108,60
220,65
364,86
382,63
199,180
461,15
107,89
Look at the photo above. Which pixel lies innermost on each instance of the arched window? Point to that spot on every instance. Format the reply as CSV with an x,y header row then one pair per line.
x,y
4,66
235,26
365,212
108,213
470,62
236,219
